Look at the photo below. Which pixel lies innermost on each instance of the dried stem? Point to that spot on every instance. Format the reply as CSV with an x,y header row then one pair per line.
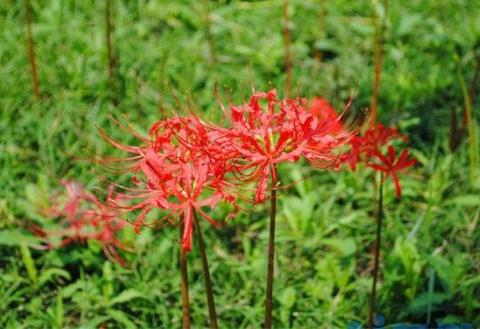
x,y
318,55
31,51
208,26
184,286
378,40
455,134
288,53
378,242
471,126
206,275
472,94
474,83
111,58
271,248
458,133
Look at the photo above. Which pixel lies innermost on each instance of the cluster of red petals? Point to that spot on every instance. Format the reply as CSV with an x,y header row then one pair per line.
x,y
180,168
368,149
391,165
83,217
364,146
267,131
185,165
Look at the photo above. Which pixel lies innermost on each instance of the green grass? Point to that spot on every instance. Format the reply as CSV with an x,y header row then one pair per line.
x,y
431,252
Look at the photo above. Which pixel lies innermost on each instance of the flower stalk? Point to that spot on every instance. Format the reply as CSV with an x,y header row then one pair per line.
x,y
473,146
111,56
288,54
271,248
184,285
206,275
208,26
31,51
376,254
378,40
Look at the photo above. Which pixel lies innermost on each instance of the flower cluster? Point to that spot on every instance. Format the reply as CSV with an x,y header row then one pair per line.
x,y
368,147
81,217
180,168
282,131
185,164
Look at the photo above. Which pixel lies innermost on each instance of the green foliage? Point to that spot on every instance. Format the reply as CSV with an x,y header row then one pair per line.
x,y
325,231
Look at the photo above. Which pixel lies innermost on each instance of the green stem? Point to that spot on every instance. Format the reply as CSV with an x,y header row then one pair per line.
x,y
111,56
210,41
377,254
471,126
184,286
31,51
271,249
206,275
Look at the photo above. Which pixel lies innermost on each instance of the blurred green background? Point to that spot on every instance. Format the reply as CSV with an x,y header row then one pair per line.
x,y
325,227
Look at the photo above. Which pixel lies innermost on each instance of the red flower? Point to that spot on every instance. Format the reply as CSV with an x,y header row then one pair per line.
x,y
363,147
191,188
367,149
377,136
391,165
84,217
263,135
180,168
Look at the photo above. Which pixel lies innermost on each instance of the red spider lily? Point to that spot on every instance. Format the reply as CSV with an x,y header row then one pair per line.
x,y
378,135
363,147
281,131
72,210
391,165
191,188
84,217
368,147
180,168
268,131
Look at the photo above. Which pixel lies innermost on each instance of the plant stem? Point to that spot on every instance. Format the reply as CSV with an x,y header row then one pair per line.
x,y
377,254
378,39
271,248
184,286
288,53
472,93
208,25
455,135
206,275
474,82
31,51
472,127
111,58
